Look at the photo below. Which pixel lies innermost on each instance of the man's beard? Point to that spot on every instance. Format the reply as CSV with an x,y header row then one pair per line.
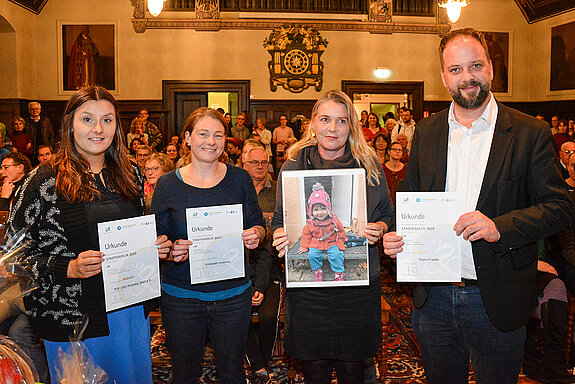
x,y
472,101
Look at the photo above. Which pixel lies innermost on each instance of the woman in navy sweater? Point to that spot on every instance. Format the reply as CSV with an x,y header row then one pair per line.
x,y
222,308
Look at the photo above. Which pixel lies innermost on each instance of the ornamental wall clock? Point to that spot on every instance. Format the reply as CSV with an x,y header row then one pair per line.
x,y
295,57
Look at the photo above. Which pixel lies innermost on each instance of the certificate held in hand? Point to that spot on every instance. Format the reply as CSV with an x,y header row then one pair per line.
x,y
431,251
130,265
217,250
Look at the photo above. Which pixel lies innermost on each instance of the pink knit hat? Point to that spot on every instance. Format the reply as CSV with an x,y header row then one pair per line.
x,y
318,196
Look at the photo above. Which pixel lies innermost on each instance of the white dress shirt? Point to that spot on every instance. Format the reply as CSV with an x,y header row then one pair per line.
x,y
467,155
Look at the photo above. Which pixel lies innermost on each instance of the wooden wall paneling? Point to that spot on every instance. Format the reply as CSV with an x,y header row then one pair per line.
x,y
273,109
9,108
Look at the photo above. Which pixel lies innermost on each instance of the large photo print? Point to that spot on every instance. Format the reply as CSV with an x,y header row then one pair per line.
x,y
324,218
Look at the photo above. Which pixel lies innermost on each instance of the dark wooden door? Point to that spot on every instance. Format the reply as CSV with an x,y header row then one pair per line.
x,y
186,103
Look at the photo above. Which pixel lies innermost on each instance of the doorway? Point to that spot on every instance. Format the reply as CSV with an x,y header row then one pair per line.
x,y
181,98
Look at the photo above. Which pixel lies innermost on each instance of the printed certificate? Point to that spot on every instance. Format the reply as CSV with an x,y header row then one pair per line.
x,y
130,266
431,252
217,250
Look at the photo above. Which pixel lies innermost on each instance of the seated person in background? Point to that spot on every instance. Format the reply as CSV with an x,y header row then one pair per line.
x,y
5,146
381,144
233,149
267,275
404,141
551,314
565,152
20,140
142,155
394,169
133,149
173,152
45,153
137,132
14,167
248,144
158,164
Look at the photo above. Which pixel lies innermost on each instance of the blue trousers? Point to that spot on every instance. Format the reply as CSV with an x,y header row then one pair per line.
x,y
187,320
334,256
452,327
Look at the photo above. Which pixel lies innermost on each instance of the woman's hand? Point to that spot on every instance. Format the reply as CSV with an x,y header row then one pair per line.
x,y
257,298
180,250
88,264
164,246
280,241
253,236
374,231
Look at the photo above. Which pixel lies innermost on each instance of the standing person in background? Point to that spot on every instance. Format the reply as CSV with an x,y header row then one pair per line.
x,y
363,120
389,126
555,124
38,128
562,136
153,132
281,138
90,181
228,119
240,130
137,132
515,197
405,125
21,140
336,327
221,308
372,128
265,134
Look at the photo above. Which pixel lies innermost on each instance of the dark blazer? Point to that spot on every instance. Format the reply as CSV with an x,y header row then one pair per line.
x,y
522,192
47,133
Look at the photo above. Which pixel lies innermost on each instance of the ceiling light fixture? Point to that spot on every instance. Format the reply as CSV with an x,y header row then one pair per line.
x,y
155,7
453,8
382,72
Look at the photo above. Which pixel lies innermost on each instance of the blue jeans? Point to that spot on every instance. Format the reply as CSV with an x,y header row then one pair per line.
x,y
334,256
452,327
186,322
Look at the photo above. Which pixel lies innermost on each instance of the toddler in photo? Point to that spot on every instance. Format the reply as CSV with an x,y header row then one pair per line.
x,y
323,232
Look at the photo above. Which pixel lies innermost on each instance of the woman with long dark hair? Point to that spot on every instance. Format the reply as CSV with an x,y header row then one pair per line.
x,y
89,180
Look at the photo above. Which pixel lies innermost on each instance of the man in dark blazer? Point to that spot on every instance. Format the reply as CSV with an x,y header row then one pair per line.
x,y
502,165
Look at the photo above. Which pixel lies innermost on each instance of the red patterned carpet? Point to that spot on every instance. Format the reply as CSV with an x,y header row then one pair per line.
x,y
403,357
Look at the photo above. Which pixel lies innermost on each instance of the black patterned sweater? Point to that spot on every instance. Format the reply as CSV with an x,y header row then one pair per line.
x,y
59,232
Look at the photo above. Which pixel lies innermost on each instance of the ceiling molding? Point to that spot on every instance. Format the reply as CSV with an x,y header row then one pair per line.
x,y
537,10
142,24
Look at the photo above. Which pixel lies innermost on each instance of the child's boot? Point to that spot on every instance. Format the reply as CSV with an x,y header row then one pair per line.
x,y
339,276
318,274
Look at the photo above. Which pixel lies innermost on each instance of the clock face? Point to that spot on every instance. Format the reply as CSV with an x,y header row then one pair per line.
x,y
296,61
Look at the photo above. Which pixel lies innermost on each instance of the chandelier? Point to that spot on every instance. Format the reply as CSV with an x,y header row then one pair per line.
x,y
155,7
453,8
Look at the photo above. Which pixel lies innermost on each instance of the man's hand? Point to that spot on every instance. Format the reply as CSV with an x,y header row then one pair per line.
x,y
475,226
392,244
7,189
257,298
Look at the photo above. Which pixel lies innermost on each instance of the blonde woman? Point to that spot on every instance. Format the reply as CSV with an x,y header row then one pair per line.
x,y
137,132
346,320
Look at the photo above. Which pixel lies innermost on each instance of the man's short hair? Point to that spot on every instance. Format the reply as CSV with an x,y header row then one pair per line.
x,y
146,147
18,159
405,109
463,32
143,109
45,146
255,148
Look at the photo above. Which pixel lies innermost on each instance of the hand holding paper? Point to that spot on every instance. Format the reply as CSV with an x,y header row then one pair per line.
x,y
88,264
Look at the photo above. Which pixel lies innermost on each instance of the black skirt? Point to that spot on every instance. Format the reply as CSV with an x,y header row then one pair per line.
x,y
333,323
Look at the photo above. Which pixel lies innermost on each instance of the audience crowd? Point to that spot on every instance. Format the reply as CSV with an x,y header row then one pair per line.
x,y
220,159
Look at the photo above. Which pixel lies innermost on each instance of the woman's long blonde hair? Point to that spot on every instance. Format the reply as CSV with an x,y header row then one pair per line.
x,y
361,152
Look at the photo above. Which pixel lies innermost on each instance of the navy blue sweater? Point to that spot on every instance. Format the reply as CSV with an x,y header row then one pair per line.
x,y
171,199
